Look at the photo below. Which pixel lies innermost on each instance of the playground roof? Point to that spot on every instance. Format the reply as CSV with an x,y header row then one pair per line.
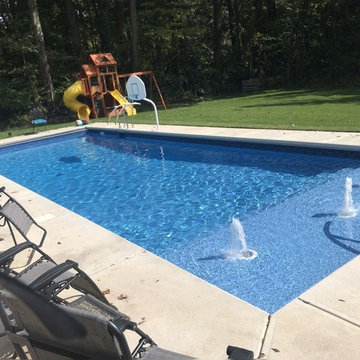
x,y
102,59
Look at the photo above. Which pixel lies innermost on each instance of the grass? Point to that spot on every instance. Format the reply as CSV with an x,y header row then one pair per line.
x,y
332,110
29,130
328,110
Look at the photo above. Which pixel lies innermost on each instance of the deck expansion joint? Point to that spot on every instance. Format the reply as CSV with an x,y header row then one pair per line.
x,y
330,312
267,338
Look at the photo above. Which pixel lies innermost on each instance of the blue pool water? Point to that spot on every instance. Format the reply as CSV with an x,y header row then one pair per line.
x,y
177,199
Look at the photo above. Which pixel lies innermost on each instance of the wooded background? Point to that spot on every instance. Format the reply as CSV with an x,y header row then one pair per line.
x,y
187,44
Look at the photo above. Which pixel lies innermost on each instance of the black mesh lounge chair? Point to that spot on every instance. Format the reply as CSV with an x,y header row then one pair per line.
x,y
62,332
21,224
44,275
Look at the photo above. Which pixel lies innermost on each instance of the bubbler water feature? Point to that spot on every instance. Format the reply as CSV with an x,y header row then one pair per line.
x,y
238,247
348,209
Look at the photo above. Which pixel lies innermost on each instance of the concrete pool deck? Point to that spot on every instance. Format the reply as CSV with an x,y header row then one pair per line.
x,y
186,314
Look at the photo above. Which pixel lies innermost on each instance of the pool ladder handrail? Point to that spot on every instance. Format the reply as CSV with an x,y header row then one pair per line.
x,y
123,112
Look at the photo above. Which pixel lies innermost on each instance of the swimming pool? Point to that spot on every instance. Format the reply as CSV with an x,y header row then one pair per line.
x,y
176,198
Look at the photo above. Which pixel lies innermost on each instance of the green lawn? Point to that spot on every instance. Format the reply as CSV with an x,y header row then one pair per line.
x,y
332,110
337,110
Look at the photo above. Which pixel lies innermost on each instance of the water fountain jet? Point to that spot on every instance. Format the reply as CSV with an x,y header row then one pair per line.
x,y
348,209
238,247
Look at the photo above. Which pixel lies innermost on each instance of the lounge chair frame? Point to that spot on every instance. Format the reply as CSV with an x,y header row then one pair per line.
x,y
63,332
17,217
45,276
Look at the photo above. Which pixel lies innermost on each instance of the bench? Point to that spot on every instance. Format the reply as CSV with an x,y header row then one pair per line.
x,y
250,85
38,122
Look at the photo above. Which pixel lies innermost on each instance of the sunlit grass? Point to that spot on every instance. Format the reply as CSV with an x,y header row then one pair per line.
x,y
337,110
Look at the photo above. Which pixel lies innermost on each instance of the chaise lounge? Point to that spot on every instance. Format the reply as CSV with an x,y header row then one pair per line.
x,y
62,332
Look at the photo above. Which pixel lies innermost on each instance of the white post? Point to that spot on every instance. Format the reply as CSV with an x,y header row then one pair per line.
x,y
156,113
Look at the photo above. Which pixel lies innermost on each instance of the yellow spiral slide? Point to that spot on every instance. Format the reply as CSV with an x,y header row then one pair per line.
x,y
70,101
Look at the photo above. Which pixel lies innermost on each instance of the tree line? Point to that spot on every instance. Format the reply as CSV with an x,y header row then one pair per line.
x,y
188,44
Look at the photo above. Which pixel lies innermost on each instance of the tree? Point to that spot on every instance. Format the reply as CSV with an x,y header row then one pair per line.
x,y
235,28
18,85
189,44
217,42
44,67
134,35
75,37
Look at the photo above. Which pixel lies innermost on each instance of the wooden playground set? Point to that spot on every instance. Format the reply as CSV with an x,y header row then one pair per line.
x,y
100,86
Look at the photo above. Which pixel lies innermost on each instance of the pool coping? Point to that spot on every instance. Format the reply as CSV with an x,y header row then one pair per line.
x,y
319,139
308,326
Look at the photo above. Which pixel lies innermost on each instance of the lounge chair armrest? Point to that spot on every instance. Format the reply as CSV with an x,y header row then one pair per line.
x,y
52,274
10,253
117,327
120,324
